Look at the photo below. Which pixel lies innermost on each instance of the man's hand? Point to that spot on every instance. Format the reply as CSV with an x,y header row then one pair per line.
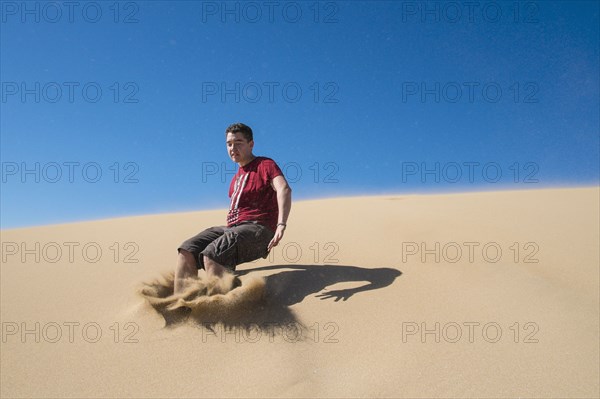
x,y
276,238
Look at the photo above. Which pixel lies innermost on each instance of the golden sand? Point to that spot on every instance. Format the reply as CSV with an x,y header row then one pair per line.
x,y
491,294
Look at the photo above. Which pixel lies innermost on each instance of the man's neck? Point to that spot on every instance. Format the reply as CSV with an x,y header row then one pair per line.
x,y
242,164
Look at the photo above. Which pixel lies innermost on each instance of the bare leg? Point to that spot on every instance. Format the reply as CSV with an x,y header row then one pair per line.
x,y
186,267
213,268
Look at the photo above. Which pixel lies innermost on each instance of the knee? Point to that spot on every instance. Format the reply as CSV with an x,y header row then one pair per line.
x,y
208,263
186,260
212,267
185,254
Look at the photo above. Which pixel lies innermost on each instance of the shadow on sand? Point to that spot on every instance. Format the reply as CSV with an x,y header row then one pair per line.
x,y
287,286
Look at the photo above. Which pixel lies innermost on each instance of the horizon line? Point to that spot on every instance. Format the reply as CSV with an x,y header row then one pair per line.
x,y
307,199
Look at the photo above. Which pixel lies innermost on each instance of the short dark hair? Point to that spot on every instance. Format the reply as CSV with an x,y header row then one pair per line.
x,y
240,128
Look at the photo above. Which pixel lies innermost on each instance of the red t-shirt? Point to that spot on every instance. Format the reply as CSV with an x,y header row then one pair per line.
x,y
252,197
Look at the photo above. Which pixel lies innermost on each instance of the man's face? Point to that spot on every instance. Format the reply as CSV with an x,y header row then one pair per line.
x,y
239,150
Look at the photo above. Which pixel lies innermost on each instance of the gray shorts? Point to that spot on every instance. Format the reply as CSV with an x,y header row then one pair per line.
x,y
230,246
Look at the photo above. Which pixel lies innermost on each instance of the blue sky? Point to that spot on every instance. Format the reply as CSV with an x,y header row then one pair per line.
x,y
119,108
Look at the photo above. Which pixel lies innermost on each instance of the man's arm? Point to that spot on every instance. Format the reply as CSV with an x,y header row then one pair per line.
x,y
284,204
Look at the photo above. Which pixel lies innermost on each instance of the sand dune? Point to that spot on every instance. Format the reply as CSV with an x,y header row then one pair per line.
x,y
491,294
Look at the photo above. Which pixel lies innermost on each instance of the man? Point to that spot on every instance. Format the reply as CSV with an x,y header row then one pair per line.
x,y
260,204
